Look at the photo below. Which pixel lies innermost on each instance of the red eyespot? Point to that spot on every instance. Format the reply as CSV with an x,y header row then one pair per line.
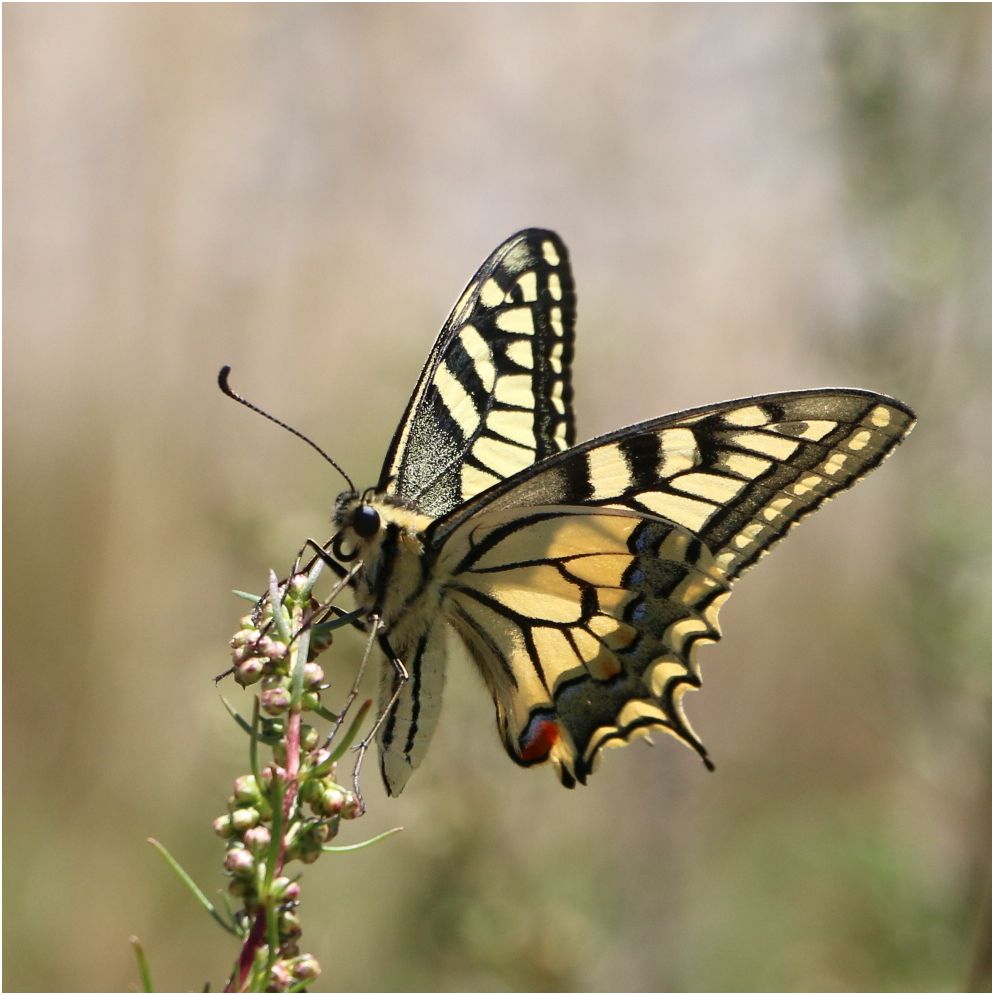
x,y
540,735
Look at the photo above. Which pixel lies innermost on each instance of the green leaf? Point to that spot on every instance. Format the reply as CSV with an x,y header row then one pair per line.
x,y
297,673
279,612
143,969
346,618
325,714
204,901
245,727
247,596
255,736
362,846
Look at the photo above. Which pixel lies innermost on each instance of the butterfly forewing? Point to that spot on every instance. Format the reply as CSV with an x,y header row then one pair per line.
x,y
583,586
495,395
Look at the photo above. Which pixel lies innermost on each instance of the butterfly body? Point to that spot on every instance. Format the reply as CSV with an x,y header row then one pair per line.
x,y
580,580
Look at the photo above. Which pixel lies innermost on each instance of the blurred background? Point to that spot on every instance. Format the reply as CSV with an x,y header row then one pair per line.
x,y
756,198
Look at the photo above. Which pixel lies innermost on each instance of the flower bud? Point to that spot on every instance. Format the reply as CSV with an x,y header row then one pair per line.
x,y
272,648
289,925
313,676
244,818
320,641
245,789
275,701
353,806
222,826
280,886
244,637
318,757
329,802
280,978
257,838
308,850
309,737
249,671
306,967
239,862
242,654
321,832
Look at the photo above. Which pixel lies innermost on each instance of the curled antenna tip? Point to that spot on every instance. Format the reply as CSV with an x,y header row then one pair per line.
x,y
222,382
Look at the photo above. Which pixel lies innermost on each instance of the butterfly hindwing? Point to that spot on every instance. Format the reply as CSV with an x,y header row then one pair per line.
x,y
495,395
408,726
582,622
582,587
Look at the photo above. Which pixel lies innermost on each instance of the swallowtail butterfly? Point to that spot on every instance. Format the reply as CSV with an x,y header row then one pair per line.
x,y
579,579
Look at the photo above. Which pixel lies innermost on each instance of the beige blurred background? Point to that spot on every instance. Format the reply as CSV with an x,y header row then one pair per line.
x,y
756,199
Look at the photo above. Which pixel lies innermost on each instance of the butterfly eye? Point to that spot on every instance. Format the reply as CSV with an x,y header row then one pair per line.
x,y
366,521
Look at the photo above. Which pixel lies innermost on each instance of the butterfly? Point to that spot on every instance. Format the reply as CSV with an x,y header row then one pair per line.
x,y
579,579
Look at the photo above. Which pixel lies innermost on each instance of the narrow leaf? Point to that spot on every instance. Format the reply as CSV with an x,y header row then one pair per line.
x,y
362,846
143,969
247,596
325,714
245,727
279,613
204,901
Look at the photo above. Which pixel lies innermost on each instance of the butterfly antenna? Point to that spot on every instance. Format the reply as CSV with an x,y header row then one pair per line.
x,y
222,382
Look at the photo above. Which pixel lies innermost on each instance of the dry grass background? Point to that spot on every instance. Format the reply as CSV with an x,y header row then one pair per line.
x,y
756,198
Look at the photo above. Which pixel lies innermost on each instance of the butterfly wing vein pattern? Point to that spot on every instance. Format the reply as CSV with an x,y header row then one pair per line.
x,y
496,393
580,579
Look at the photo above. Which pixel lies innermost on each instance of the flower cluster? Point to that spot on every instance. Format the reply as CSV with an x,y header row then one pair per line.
x,y
289,808
290,805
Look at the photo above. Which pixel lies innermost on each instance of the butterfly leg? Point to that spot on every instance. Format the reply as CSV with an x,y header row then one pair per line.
x,y
322,554
402,677
374,627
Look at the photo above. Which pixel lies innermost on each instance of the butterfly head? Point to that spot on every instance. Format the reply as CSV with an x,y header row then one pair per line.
x,y
363,519
357,521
